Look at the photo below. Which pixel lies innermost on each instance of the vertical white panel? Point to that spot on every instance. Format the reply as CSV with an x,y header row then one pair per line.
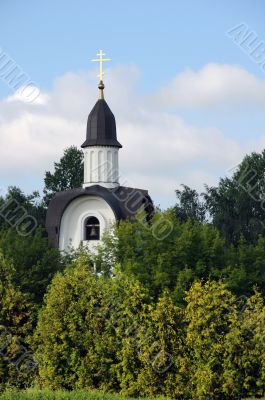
x,y
116,167
100,166
109,166
104,165
92,162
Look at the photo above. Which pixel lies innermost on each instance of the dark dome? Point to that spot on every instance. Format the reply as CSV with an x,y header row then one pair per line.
x,y
101,127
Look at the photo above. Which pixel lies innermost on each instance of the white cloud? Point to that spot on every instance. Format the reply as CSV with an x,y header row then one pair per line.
x,y
213,85
161,150
40,98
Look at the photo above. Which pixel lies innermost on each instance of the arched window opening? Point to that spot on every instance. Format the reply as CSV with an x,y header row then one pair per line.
x,y
92,229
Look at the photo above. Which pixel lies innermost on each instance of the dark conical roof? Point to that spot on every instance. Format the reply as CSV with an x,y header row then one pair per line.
x,y
101,126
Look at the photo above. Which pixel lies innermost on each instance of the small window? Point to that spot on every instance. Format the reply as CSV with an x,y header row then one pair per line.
x,y
92,229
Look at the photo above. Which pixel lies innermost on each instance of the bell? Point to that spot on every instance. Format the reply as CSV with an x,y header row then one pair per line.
x,y
93,232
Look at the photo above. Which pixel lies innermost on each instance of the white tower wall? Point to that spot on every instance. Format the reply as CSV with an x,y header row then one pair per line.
x,y
101,166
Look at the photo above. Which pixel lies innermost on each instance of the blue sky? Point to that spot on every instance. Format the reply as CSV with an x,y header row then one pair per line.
x,y
159,39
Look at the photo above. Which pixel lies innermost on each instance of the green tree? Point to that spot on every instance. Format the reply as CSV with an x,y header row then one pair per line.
x,y
68,173
190,251
15,204
157,348
208,319
64,331
17,366
237,203
244,358
189,205
81,327
163,261
245,266
34,261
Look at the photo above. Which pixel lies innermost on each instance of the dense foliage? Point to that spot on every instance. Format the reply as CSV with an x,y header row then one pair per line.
x,y
190,251
15,206
171,307
236,206
16,313
35,261
46,394
95,332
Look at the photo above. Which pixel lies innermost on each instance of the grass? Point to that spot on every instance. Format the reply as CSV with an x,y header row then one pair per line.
x,y
34,394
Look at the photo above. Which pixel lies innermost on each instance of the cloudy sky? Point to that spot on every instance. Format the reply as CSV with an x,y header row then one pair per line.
x,y
186,83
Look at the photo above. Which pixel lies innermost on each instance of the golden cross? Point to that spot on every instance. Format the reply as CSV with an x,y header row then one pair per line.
x,y
101,60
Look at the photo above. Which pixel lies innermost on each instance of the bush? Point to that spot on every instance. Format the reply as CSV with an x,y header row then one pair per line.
x,y
34,261
97,332
81,327
17,366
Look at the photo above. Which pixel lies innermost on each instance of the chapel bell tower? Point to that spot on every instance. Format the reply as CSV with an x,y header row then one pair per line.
x,y
101,147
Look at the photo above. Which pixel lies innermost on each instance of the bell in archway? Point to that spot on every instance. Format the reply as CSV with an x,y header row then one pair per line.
x,y
93,232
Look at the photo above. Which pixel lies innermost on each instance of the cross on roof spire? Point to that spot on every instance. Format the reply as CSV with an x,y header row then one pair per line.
x,y
100,60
